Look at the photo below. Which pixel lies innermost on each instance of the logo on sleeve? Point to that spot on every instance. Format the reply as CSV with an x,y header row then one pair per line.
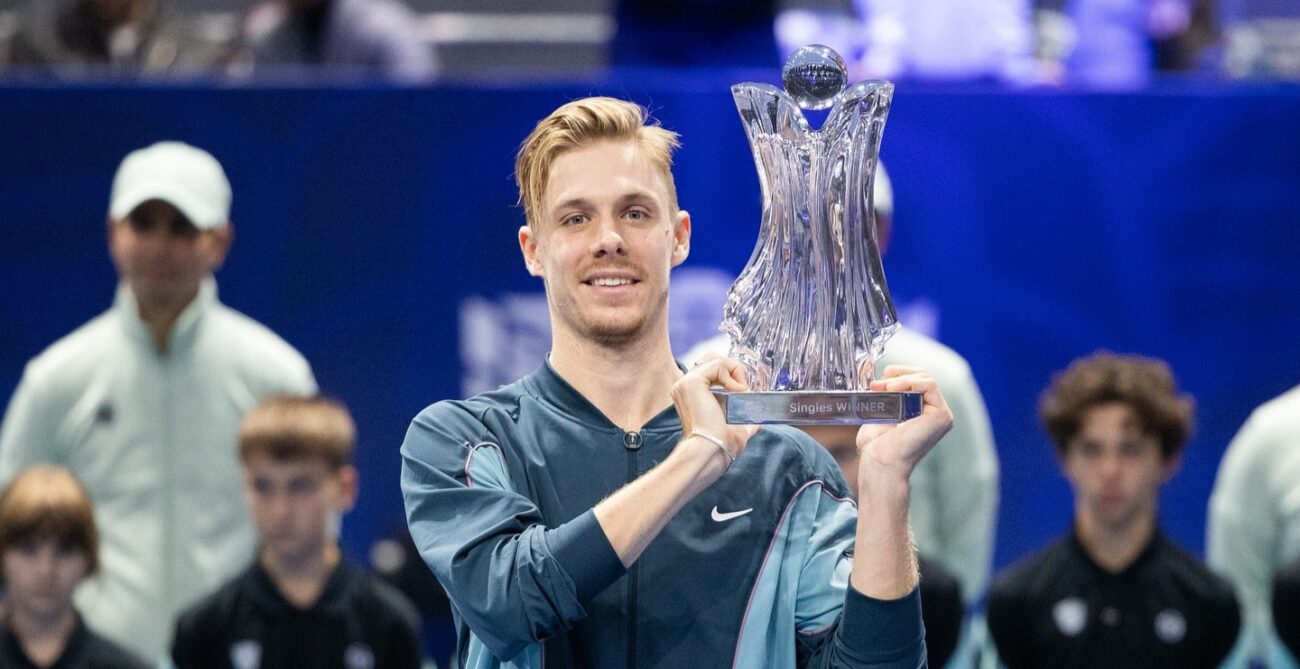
x,y
358,656
1171,626
721,517
246,654
1070,614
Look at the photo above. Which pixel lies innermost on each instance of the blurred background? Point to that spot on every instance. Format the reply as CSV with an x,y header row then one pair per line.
x,y
1069,175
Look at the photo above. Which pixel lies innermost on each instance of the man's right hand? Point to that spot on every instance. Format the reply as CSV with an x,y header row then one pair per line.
x,y
699,409
632,517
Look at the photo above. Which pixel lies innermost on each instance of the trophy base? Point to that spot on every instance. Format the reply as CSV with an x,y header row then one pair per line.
x,y
818,407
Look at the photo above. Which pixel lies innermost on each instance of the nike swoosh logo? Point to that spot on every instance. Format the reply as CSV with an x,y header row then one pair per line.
x,y
724,517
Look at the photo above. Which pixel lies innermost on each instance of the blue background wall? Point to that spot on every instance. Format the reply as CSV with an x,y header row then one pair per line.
x,y
1040,225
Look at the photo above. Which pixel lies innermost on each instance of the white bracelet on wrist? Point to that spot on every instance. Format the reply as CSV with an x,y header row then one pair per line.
x,y
731,457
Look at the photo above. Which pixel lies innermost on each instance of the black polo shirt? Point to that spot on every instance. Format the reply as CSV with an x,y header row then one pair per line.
x,y
942,611
84,650
1286,606
359,622
1059,609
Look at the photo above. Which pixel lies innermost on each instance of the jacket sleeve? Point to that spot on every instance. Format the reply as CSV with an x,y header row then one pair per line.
x,y
514,581
1243,524
870,634
30,430
836,626
966,486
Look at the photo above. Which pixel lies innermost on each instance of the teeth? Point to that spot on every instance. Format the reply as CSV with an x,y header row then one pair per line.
x,y
610,282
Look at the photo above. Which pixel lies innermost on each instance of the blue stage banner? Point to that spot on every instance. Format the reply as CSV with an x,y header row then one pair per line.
x,y
376,231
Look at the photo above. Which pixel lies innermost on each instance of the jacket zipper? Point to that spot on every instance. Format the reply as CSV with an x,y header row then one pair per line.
x,y
632,442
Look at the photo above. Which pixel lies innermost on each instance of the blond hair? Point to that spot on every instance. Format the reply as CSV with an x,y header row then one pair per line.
x,y
582,123
47,502
288,427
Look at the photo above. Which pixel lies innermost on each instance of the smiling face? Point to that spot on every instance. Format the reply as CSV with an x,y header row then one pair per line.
x,y
604,239
1115,468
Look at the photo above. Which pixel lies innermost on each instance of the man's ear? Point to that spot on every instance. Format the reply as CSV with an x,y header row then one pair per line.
x,y
1172,464
681,237
349,486
528,247
222,238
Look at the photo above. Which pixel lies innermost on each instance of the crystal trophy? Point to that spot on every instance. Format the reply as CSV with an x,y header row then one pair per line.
x,y
809,315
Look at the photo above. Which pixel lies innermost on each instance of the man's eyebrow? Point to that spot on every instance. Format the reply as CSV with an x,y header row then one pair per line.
x,y
638,197
573,203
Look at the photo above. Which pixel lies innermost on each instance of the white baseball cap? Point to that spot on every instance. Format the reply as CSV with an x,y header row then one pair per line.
x,y
181,175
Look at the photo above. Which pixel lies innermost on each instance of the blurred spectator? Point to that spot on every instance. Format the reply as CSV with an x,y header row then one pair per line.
x,y
1261,38
1253,525
300,603
925,40
96,37
947,40
142,403
1117,44
376,38
833,23
1184,46
1286,613
48,545
1115,592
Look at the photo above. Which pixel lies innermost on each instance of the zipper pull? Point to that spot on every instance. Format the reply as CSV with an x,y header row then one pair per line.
x,y
632,440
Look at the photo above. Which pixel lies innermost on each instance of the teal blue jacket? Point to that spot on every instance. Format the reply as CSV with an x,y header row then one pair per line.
x,y
753,572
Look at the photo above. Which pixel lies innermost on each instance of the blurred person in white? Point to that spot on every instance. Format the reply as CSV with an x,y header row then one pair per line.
x,y
371,38
1253,526
143,402
922,40
110,37
955,489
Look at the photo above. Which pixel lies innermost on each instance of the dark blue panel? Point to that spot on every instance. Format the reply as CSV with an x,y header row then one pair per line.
x,y
1040,225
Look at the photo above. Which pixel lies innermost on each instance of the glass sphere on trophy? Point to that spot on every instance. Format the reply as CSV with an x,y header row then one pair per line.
x,y
810,313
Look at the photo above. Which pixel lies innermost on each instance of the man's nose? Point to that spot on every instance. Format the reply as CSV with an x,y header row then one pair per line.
x,y
609,238
277,506
45,563
1112,466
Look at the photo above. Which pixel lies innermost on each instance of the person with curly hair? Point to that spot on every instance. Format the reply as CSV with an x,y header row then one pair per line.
x,y
1115,592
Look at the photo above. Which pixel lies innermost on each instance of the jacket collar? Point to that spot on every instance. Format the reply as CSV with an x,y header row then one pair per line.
x,y
332,600
185,327
548,386
1153,546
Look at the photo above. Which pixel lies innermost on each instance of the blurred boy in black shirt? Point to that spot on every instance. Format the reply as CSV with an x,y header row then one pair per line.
x,y
49,545
300,604
1115,592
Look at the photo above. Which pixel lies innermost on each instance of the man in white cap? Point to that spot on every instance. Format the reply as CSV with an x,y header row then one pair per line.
x,y
143,402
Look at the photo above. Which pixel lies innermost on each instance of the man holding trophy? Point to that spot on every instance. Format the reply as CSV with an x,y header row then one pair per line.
x,y
602,511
